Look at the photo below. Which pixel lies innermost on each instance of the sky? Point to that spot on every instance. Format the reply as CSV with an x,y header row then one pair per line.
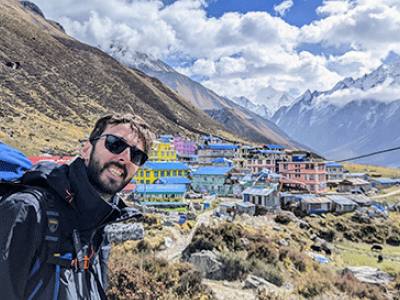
x,y
242,47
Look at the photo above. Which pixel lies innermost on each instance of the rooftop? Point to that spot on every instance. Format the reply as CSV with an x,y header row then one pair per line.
x,y
212,171
333,164
161,165
174,180
161,188
341,199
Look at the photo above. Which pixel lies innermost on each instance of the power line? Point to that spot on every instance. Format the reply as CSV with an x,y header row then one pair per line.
x,y
369,154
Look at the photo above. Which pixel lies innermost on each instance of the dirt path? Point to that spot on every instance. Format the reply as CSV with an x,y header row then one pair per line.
x,y
229,290
182,241
386,195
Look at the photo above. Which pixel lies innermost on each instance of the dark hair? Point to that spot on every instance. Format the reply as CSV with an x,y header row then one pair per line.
x,y
138,125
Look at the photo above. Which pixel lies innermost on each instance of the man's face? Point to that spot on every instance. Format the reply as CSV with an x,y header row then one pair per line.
x,y
109,173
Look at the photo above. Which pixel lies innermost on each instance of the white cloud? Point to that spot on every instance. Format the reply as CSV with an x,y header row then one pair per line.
x,y
283,7
386,92
239,54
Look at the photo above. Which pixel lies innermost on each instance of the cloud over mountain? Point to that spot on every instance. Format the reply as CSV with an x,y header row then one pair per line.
x,y
238,54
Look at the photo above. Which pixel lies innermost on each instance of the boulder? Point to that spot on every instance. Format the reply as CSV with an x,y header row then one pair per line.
x,y
208,264
253,282
369,275
119,233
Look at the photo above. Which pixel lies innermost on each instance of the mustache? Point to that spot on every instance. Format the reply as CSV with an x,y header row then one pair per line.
x,y
116,164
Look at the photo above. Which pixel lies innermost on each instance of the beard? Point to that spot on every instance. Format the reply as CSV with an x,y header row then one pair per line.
x,y
108,186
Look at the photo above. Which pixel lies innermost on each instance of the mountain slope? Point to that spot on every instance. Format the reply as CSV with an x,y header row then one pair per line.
x,y
355,117
234,117
53,87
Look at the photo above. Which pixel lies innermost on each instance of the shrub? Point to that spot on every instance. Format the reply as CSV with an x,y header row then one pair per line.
x,y
314,285
267,271
234,266
352,287
264,251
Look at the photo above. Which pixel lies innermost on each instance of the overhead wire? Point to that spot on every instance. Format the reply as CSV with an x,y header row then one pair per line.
x,y
369,154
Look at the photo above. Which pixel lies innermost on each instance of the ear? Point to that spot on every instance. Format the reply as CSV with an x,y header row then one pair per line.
x,y
85,151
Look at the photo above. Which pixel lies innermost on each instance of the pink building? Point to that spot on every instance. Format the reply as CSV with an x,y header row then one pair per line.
x,y
184,147
309,175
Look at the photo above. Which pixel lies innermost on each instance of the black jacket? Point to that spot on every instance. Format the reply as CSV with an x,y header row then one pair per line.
x,y
23,227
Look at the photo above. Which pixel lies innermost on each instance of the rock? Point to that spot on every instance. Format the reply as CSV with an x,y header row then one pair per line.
x,y
168,242
369,275
253,282
208,264
285,217
283,242
303,224
277,228
124,232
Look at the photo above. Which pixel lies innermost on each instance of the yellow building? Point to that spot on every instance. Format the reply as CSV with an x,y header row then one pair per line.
x,y
162,151
153,170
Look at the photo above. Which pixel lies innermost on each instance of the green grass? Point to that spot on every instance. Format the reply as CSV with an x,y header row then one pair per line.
x,y
383,171
360,254
176,209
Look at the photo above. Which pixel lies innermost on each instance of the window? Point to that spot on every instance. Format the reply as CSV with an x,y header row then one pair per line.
x,y
156,173
168,173
174,172
142,181
179,173
147,173
162,173
147,181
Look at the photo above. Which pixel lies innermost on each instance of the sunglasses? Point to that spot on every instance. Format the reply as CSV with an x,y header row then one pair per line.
x,y
117,145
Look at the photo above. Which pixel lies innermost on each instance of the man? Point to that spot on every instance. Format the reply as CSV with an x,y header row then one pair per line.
x,y
51,232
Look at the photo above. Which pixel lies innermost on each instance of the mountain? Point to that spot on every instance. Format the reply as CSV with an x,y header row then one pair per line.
x,y
273,99
260,110
355,117
53,87
233,117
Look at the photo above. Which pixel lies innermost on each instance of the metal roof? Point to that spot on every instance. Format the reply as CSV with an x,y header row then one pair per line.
x,y
160,188
246,204
355,181
275,146
316,200
220,146
386,180
220,160
333,164
174,180
212,171
260,191
161,165
341,199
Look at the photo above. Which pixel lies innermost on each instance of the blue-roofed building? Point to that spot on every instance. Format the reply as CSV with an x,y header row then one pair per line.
x,y
161,192
383,182
174,180
213,180
153,170
208,152
334,173
342,203
221,162
274,147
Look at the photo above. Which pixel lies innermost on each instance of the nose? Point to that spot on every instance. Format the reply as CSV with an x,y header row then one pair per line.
x,y
125,155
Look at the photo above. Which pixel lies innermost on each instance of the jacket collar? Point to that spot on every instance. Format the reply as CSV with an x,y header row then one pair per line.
x,y
72,184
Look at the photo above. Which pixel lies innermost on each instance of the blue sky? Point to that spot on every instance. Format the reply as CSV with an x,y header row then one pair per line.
x,y
302,12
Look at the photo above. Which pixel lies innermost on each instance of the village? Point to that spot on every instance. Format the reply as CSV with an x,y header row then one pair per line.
x,y
298,210
183,174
